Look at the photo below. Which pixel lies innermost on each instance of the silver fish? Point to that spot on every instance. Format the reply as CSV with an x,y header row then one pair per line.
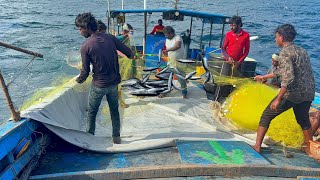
x,y
188,76
150,69
155,90
165,91
205,64
145,79
209,78
144,93
195,78
164,76
164,70
170,81
156,83
186,61
180,76
130,82
131,88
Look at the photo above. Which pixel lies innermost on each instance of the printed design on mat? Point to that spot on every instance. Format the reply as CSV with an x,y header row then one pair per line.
x,y
236,156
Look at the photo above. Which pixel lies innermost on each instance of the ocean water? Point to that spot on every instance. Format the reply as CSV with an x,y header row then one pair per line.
x,y
47,27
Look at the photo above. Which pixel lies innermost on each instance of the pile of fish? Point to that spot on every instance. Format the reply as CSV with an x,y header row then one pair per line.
x,y
164,84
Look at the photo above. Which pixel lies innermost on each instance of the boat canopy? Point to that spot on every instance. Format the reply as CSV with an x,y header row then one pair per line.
x,y
206,17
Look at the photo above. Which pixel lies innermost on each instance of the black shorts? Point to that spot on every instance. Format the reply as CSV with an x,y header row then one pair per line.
x,y
301,112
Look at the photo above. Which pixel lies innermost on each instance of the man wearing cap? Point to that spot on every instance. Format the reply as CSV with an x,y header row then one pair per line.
x,y
158,29
271,77
124,37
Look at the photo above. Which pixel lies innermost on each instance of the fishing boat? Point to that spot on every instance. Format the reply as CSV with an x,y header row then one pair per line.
x,y
162,138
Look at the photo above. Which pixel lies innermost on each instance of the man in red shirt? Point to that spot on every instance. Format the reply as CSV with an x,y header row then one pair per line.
x,y
236,44
158,29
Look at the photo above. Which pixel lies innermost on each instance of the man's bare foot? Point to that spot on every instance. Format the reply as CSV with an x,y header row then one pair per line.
x,y
303,146
185,97
315,122
256,148
307,150
123,104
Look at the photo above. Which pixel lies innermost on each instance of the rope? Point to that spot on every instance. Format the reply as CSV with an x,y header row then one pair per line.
x,y
232,70
25,90
218,87
42,140
26,87
21,71
221,69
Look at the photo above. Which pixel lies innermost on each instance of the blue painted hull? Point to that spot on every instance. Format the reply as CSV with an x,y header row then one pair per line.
x,y
19,145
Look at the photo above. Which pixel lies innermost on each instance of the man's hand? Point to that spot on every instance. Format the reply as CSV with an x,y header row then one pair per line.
x,y
274,104
236,64
258,78
135,57
230,60
165,52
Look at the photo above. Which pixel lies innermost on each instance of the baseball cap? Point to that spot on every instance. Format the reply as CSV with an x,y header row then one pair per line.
x,y
275,57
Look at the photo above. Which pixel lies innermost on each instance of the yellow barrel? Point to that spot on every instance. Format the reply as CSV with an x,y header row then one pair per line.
x,y
199,70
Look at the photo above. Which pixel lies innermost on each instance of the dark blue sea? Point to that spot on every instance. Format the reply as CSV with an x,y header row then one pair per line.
x,y
47,27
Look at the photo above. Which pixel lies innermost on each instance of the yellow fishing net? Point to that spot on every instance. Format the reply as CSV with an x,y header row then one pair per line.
x,y
245,105
127,70
56,86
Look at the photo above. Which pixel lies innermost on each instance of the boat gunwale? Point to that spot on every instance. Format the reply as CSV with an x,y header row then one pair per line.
x,y
188,170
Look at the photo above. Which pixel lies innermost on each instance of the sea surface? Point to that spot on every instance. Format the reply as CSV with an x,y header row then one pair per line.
x,y
47,27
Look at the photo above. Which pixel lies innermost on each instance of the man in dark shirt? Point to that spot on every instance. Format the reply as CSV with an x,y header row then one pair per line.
x,y
100,50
